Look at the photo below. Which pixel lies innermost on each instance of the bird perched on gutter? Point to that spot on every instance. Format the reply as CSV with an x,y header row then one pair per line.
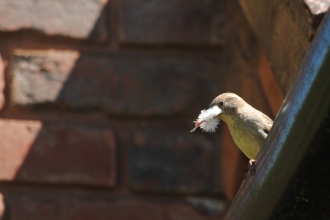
x,y
248,126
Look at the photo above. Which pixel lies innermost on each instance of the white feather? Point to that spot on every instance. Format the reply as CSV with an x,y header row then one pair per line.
x,y
210,123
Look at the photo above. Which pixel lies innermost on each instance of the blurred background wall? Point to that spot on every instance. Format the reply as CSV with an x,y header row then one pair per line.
x,y
97,100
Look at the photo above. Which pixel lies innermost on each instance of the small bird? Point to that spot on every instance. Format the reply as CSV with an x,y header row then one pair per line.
x,y
248,126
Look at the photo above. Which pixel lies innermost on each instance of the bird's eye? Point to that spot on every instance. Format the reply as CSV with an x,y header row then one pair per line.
x,y
220,104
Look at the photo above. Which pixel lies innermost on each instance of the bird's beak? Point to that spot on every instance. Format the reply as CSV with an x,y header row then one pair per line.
x,y
197,124
206,116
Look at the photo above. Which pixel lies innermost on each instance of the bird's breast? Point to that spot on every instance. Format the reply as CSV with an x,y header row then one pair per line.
x,y
246,137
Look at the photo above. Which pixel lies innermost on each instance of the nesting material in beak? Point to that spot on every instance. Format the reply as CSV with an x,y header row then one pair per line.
x,y
207,120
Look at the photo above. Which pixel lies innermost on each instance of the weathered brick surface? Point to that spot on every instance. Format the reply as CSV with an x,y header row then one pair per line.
x,y
39,76
132,84
58,152
74,18
183,22
66,205
175,161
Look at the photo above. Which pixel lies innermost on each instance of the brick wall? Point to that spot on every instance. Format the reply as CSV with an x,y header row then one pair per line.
x,y
97,100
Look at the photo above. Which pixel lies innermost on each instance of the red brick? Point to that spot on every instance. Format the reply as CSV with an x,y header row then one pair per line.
x,y
133,84
66,205
74,18
172,161
182,22
57,152
39,76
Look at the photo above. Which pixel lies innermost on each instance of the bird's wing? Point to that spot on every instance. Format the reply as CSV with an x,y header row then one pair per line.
x,y
264,124
268,123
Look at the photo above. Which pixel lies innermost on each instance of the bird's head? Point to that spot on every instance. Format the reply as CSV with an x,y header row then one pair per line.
x,y
223,107
228,103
